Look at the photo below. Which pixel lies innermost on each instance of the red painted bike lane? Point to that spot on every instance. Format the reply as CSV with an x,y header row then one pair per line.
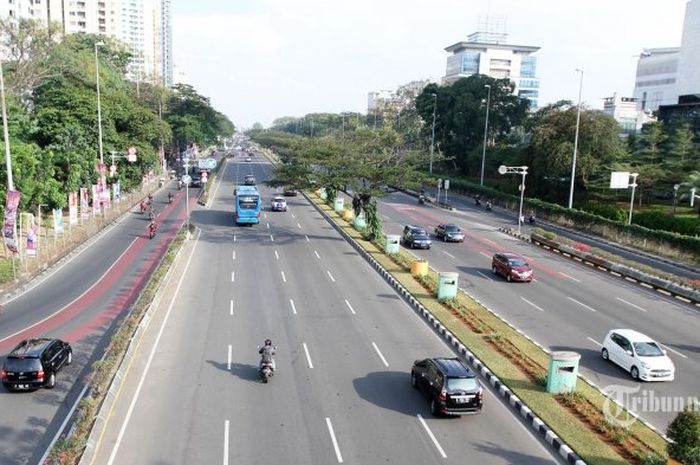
x,y
100,289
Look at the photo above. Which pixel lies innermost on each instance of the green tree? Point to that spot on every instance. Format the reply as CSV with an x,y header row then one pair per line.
x,y
684,432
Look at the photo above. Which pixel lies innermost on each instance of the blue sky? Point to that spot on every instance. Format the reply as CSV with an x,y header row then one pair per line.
x,y
259,60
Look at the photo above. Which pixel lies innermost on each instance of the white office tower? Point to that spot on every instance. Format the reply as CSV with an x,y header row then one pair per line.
x,y
656,81
689,62
144,26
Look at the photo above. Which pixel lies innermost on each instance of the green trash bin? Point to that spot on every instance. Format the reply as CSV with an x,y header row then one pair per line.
x,y
392,243
563,372
448,284
324,194
359,223
339,204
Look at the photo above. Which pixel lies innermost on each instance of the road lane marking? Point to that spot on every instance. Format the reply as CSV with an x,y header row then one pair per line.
x,y
294,309
277,256
386,364
594,341
674,351
233,255
234,238
485,276
272,239
144,374
582,304
226,434
74,300
268,225
486,255
352,310
233,276
491,242
228,364
335,441
528,302
632,305
570,277
307,238
63,425
298,226
448,254
330,276
432,437
284,278
230,307
213,197
308,357
317,255
293,216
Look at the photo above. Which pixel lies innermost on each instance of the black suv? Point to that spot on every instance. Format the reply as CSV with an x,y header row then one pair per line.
x,y
35,362
415,237
249,180
450,385
449,232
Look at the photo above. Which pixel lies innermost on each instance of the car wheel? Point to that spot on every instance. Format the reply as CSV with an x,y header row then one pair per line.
x,y
508,278
69,359
494,270
634,372
604,354
414,380
52,381
434,408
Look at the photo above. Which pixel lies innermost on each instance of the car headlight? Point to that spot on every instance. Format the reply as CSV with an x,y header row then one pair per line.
x,y
645,365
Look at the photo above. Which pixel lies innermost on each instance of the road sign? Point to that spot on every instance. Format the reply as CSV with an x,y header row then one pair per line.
x,y
440,183
186,179
131,154
619,180
447,184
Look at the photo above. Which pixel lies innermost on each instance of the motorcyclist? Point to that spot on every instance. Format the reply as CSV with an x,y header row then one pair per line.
x,y
477,199
179,184
151,213
152,228
531,217
488,205
143,206
170,197
150,198
267,351
421,199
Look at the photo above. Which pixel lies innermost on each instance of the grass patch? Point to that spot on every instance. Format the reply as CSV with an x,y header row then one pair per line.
x,y
520,364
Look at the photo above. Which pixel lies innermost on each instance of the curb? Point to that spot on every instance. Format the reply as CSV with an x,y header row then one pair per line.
x,y
539,426
621,271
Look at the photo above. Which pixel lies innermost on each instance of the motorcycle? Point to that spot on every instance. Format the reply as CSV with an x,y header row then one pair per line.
x,y
477,200
170,197
488,206
142,208
151,215
531,219
152,231
421,200
266,371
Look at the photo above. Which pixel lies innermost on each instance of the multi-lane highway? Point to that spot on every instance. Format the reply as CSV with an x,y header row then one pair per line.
x,y
78,302
570,306
345,343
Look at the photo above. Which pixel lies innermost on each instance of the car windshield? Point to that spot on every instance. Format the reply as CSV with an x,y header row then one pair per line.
x,y
451,228
462,384
648,349
248,202
22,364
420,236
517,262
278,199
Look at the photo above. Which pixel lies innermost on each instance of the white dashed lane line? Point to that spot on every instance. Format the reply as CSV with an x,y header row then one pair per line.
x,y
448,254
330,276
632,305
432,437
484,275
582,304
308,356
386,364
277,256
317,255
294,308
569,277
352,310
528,302
334,440
284,278
594,341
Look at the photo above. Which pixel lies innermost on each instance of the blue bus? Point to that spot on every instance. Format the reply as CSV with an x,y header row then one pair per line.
x,y
248,205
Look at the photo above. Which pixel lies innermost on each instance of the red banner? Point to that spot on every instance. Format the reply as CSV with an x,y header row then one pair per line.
x,y
9,229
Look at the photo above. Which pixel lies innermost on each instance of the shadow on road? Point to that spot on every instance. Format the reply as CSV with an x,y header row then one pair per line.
x,y
391,390
241,370
511,456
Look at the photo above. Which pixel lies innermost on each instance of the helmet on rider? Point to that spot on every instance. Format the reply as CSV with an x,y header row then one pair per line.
x,y
268,342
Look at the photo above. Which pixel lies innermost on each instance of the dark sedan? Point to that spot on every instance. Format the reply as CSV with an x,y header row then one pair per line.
x,y
449,233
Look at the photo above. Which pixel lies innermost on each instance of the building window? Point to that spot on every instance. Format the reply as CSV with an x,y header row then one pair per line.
x,y
470,62
530,83
530,94
528,68
500,73
496,63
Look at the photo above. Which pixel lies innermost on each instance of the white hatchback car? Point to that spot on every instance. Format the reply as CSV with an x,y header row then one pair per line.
x,y
640,355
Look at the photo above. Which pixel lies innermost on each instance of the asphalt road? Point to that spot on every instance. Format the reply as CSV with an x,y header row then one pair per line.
x,y
345,343
569,307
79,303
509,219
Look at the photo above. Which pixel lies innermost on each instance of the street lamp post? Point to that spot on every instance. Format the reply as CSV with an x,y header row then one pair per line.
x,y
578,123
99,103
503,169
633,186
486,130
432,137
5,132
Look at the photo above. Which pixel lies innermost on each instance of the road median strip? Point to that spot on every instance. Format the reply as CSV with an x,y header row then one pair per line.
x,y
511,362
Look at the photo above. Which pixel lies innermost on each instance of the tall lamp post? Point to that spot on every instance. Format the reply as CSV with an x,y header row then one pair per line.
x,y
99,103
633,186
486,130
503,169
578,123
5,132
432,137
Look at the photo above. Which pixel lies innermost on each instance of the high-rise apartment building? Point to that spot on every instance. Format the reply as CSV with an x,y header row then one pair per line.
x,y
657,76
489,53
144,26
625,111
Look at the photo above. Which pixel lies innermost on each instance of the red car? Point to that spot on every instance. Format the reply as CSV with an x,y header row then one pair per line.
x,y
511,266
